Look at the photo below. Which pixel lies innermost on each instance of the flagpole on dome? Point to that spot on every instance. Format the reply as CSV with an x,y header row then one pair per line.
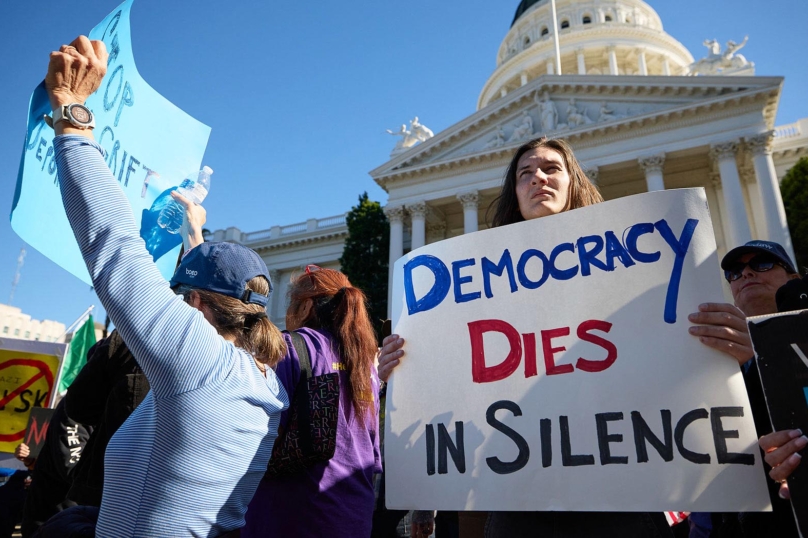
x,y
555,38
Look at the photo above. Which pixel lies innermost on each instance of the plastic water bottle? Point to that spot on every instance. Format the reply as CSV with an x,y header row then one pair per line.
x,y
195,187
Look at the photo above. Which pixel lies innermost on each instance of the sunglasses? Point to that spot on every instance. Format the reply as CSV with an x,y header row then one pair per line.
x,y
758,264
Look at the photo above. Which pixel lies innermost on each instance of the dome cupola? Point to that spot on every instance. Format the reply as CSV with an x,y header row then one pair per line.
x,y
596,37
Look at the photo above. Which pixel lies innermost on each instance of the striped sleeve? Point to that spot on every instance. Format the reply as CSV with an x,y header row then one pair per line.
x,y
177,348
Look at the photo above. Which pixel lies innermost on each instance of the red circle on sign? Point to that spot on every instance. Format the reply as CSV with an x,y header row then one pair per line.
x,y
44,371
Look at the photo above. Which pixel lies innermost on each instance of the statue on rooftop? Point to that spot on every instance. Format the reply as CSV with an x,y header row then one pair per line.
x,y
409,137
717,62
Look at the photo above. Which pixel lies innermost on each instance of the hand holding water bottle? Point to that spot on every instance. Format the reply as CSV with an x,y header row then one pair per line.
x,y
194,188
194,217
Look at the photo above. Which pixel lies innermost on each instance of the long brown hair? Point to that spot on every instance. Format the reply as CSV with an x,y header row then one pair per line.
x,y
341,309
247,324
582,192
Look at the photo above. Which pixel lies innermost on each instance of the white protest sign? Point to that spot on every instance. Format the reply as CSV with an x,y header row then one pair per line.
x,y
548,366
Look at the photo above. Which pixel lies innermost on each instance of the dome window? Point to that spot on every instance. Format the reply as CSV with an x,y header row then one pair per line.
x,y
565,24
607,18
587,19
526,42
544,31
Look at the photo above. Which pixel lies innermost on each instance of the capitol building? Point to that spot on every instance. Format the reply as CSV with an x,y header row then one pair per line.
x,y
640,111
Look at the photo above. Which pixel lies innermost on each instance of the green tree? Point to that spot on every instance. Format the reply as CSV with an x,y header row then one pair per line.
x,y
365,256
794,189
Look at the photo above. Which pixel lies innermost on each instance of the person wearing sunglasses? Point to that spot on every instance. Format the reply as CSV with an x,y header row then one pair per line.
x,y
755,272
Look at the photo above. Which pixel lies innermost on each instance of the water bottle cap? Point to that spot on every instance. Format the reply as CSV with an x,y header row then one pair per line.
x,y
207,170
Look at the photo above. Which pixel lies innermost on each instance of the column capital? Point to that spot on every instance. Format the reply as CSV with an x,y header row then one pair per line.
x,y
394,213
652,163
469,199
715,180
724,150
592,173
761,144
418,210
747,173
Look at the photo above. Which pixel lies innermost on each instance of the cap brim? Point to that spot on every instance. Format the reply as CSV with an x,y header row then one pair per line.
x,y
737,252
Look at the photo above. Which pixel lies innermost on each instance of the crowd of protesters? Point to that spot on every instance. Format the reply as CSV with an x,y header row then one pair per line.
x,y
193,411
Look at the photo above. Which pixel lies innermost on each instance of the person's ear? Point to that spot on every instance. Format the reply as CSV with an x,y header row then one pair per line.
x,y
195,300
305,310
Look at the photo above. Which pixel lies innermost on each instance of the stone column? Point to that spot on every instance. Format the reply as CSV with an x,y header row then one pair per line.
x,y
550,68
652,166
774,213
418,213
717,212
612,61
642,65
734,208
469,201
581,61
272,307
592,173
395,215
666,66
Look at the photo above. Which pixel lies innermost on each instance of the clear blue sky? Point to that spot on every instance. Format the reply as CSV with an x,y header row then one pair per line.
x,y
299,94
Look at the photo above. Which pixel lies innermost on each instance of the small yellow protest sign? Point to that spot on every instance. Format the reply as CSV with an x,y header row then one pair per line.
x,y
28,371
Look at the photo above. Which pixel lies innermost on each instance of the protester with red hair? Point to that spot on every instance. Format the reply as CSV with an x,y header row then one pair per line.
x,y
335,497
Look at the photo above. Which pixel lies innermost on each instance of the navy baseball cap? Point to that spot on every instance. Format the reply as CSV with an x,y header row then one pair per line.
x,y
775,250
225,268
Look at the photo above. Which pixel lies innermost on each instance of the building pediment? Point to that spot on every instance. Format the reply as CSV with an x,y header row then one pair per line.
x,y
581,109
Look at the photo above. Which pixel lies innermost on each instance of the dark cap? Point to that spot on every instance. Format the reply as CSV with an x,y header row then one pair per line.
x,y
775,250
225,268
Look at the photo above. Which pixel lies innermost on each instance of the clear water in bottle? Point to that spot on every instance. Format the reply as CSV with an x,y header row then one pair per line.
x,y
195,187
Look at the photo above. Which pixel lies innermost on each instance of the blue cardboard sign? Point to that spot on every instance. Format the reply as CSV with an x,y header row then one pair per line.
x,y
151,147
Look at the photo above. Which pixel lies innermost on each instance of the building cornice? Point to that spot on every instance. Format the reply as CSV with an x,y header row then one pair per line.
x,y
333,236
725,98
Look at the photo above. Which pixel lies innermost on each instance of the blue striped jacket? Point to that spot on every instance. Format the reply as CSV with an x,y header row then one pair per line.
x,y
189,459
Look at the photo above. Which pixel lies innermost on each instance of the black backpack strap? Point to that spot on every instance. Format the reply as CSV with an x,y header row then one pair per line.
x,y
302,393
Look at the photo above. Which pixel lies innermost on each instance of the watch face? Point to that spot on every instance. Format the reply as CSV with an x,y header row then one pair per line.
x,y
80,113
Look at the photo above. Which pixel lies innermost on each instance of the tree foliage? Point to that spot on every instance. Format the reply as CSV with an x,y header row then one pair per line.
x,y
365,256
794,189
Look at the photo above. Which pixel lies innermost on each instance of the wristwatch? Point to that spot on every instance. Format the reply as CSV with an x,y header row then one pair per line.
x,y
76,114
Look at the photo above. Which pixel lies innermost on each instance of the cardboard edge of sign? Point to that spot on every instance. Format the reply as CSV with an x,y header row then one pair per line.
x,y
33,346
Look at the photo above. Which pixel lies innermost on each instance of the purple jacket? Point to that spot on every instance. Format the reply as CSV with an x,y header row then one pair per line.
x,y
333,498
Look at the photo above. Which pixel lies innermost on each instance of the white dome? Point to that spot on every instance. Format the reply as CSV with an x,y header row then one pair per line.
x,y
597,37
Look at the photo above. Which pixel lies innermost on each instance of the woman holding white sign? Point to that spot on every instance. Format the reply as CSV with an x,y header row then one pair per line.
x,y
542,179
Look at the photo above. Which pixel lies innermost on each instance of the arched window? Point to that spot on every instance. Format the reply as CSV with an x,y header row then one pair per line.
x,y
565,24
607,18
526,42
587,19
544,31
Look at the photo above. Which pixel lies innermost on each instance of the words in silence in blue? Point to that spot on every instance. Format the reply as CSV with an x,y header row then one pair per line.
x,y
117,95
437,457
593,252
